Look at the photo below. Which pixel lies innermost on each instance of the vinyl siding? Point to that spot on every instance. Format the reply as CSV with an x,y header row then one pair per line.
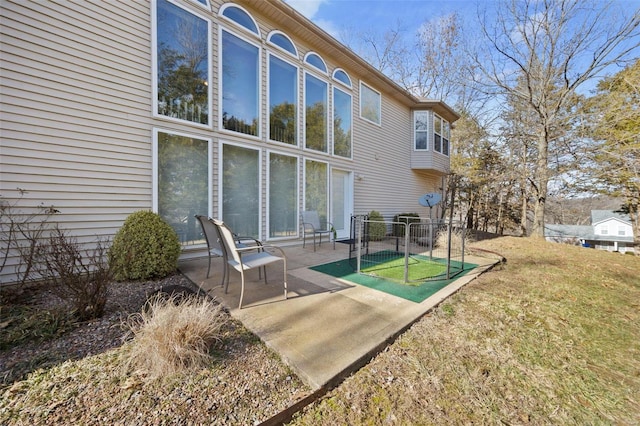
x,y
75,112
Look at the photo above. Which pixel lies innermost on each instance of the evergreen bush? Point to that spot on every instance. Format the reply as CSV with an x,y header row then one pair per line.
x,y
399,230
146,247
377,229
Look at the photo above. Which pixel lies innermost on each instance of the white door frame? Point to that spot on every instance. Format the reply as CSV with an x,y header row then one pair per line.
x,y
342,229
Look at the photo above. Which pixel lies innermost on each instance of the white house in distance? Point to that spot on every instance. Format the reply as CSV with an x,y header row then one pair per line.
x,y
242,110
609,230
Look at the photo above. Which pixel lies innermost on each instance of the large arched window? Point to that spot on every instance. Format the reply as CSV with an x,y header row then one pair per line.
x,y
342,77
283,42
315,61
239,16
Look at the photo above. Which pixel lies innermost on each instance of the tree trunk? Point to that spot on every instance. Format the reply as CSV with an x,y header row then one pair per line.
x,y
541,182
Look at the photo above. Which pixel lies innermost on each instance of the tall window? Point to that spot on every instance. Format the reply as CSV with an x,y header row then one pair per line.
x,y
370,104
283,195
182,182
240,85
283,89
341,123
441,134
241,189
315,113
421,129
182,64
316,191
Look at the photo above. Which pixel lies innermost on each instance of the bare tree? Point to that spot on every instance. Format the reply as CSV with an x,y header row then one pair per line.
x,y
554,46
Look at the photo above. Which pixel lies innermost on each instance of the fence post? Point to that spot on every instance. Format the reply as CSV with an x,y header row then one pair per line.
x,y
358,241
407,231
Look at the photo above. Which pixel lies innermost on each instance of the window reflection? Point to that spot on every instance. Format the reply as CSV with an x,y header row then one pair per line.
x,y
182,64
282,101
421,129
341,123
315,113
369,104
240,17
240,90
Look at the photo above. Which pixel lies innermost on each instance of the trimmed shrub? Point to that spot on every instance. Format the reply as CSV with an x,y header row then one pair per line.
x,y
173,335
146,247
377,229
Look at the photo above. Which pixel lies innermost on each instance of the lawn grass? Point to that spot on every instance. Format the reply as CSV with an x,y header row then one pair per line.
x,y
553,337
420,268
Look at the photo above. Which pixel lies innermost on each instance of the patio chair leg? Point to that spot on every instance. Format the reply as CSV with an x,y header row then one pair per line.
x,y
284,260
209,268
241,289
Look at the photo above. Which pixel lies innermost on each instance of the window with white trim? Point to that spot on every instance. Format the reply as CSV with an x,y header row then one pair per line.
x,y
283,101
370,104
421,130
240,179
238,15
342,77
283,195
316,61
182,50
281,41
441,135
182,184
315,113
341,123
240,84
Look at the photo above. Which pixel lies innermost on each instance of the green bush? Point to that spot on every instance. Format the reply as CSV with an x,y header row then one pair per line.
x,y
399,230
145,247
377,229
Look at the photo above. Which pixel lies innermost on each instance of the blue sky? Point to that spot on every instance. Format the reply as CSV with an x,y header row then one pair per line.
x,y
336,16
339,17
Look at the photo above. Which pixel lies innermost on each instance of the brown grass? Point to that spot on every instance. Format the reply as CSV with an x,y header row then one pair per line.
x,y
173,336
550,338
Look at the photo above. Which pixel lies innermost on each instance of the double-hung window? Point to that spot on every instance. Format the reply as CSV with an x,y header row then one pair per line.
x,y
421,130
441,135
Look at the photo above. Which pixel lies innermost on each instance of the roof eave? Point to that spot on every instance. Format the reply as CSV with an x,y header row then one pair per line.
x,y
289,19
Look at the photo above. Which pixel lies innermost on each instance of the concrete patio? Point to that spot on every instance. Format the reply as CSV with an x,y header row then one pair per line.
x,y
328,327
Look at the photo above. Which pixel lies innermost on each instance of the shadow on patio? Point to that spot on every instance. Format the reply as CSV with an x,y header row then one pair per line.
x,y
328,327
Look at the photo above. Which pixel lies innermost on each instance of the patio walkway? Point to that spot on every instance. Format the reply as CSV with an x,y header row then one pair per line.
x,y
327,328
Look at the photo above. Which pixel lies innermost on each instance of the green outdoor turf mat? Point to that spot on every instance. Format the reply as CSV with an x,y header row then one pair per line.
x,y
415,292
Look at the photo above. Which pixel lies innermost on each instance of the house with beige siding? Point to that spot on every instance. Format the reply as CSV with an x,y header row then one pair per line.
x,y
242,110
